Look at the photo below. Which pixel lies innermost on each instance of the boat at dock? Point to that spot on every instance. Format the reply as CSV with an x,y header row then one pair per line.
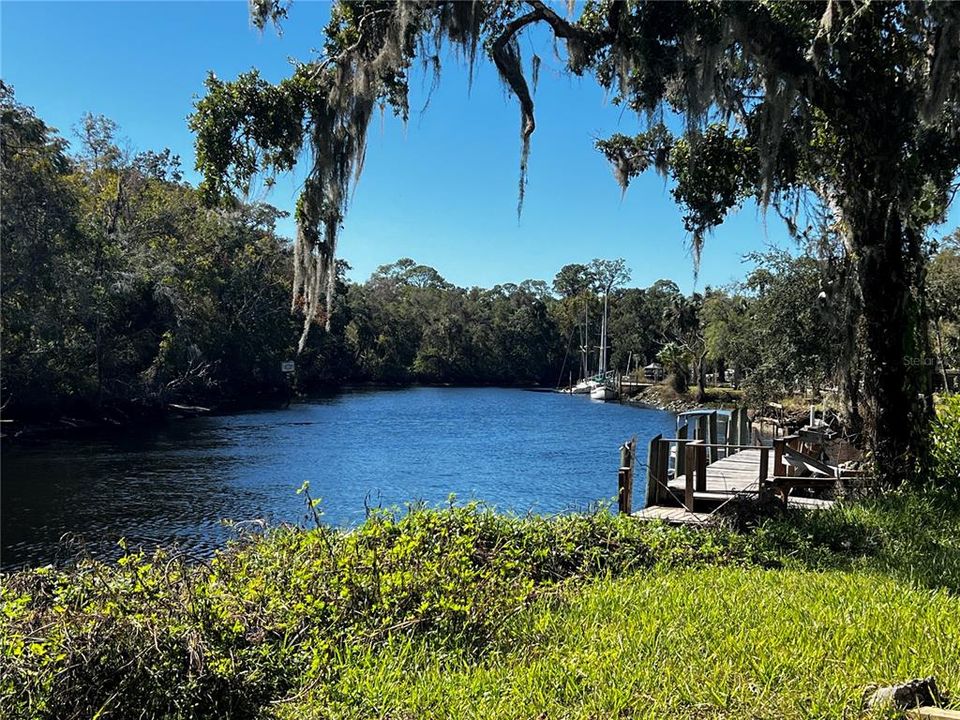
x,y
584,387
605,389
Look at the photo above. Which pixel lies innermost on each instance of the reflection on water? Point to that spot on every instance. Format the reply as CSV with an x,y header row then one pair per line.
x,y
515,449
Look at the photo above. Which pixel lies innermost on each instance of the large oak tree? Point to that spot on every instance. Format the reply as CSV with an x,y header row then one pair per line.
x,y
854,106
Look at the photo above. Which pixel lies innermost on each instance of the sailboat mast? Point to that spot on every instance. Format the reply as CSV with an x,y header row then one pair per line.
x,y
586,335
603,337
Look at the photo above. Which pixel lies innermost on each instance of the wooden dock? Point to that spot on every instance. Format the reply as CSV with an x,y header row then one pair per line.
x,y
691,476
673,515
737,472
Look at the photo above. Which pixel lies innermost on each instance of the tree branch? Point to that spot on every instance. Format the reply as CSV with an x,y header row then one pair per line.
x,y
563,29
508,64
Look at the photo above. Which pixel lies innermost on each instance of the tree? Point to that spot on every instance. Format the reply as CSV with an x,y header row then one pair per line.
x,y
573,280
944,298
727,332
794,323
609,274
120,293
37,231
676,360
685,331
852,103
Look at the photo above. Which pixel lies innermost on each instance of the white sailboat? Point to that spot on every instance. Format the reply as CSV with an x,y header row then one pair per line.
x,y
586,384
603,389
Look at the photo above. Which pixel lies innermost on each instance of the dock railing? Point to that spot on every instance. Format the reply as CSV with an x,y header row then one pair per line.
x,y
690,461
695,479
669,459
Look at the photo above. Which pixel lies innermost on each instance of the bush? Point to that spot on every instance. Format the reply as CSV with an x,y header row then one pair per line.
x,y
946,441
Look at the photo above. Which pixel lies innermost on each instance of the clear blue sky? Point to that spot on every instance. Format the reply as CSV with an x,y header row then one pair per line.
x,y
443,190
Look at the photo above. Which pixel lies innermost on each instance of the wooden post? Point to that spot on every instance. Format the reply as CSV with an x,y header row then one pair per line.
x,y
733,429
701,469
714,440
778,468
746,432
764,467
625,476
663,464
691,462
653,455
681,463
623,491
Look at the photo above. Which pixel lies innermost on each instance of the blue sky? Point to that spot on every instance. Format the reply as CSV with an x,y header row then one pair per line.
x,y
442,190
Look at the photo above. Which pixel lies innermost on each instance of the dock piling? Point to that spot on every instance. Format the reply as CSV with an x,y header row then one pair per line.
x,y
628,452
653,475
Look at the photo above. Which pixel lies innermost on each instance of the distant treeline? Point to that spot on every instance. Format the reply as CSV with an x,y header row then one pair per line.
x,y
122,293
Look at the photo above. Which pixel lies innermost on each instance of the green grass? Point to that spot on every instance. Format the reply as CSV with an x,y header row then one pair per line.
x,y
464,613
710,642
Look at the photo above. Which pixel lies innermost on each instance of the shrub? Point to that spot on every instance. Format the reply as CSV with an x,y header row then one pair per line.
x,y
946,441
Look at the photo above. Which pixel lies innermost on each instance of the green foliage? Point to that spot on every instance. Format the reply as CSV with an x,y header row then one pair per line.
x,y
728,330
714,173
676,359
791,336
246,127
122,294
945,437
158,635
300,616
573,280
943,296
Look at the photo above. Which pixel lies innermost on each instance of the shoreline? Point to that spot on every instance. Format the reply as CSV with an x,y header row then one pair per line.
x,y
130,417
652,398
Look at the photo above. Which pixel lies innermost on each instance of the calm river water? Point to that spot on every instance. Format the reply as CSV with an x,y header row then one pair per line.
x,y
514,449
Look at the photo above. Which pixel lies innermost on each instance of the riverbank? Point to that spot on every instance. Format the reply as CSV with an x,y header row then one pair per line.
x,y
130,415
465,613
120,416
663,397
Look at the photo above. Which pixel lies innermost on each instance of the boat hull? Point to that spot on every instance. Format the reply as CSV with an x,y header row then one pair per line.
x,y
603,393
584,387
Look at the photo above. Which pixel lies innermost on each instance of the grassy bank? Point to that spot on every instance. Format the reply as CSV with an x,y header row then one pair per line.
x,y
707,642
461,612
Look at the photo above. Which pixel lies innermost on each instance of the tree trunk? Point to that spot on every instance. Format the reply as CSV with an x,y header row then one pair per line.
x,y
701,369
721,372
943,362
896,370
849,348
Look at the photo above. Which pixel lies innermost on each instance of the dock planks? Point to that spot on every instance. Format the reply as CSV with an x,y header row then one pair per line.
x,y
673,515
738,473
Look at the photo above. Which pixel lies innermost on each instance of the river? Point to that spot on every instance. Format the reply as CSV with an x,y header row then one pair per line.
x,y
516,450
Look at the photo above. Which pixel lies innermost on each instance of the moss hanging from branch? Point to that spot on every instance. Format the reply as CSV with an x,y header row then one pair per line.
x,y
249,127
